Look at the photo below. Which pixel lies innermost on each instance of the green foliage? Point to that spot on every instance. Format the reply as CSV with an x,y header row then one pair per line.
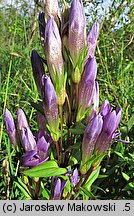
x,y
18,37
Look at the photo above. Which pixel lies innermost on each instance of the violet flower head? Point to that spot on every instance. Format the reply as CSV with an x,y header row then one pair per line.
x,y
75,177
10,127
38,155
26,136
58,186
111,121
77,30
92,39
91,135
105,108
38,68
86,87
53,49
50,105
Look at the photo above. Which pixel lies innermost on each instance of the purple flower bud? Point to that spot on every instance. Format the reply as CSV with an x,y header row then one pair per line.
x,y
77,30
75,177
95,102
92,39
30,158
10,127
57,187
22,120
26,136
50,104
27,139
52,9
86,87
42,25
38,68
91,135
105,108
53,49
111,122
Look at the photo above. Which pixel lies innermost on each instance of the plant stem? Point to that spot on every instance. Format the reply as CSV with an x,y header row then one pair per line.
x,y
61,123
76,94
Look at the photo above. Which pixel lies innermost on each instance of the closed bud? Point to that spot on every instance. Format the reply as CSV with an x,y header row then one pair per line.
x,y
53,49
42,25
92,39
10,127
91,135
52,10
38,68
50,106
77,31
86,87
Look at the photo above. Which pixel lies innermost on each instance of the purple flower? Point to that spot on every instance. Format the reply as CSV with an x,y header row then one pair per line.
x,y
91,135
53,49
92,39
38,155
10,127
50,105
75,177
77,30
111,120
38,68
52,9
58,186
105,108
86,87
26,136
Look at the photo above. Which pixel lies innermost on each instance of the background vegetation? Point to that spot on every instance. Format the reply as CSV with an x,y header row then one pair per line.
x,y
19,35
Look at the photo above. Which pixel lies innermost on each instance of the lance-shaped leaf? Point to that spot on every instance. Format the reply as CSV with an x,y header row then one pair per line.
x,y
53,49
38,68
50,105
92,39
47,169
77,30
10,127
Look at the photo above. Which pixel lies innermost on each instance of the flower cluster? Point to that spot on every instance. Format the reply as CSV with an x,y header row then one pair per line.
x,y
66,81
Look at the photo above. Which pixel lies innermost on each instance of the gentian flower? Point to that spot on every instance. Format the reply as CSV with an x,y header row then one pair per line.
x,y
38,68
26,136
111,120
92,39
86,87
37,156
58,186
50,106
52,10
10,127
53,49
77,30
91,135
75,177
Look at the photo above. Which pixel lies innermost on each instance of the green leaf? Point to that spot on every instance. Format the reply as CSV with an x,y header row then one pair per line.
x,y
47,169
94,175
130,122
125,176
78,128
23,189
119,154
